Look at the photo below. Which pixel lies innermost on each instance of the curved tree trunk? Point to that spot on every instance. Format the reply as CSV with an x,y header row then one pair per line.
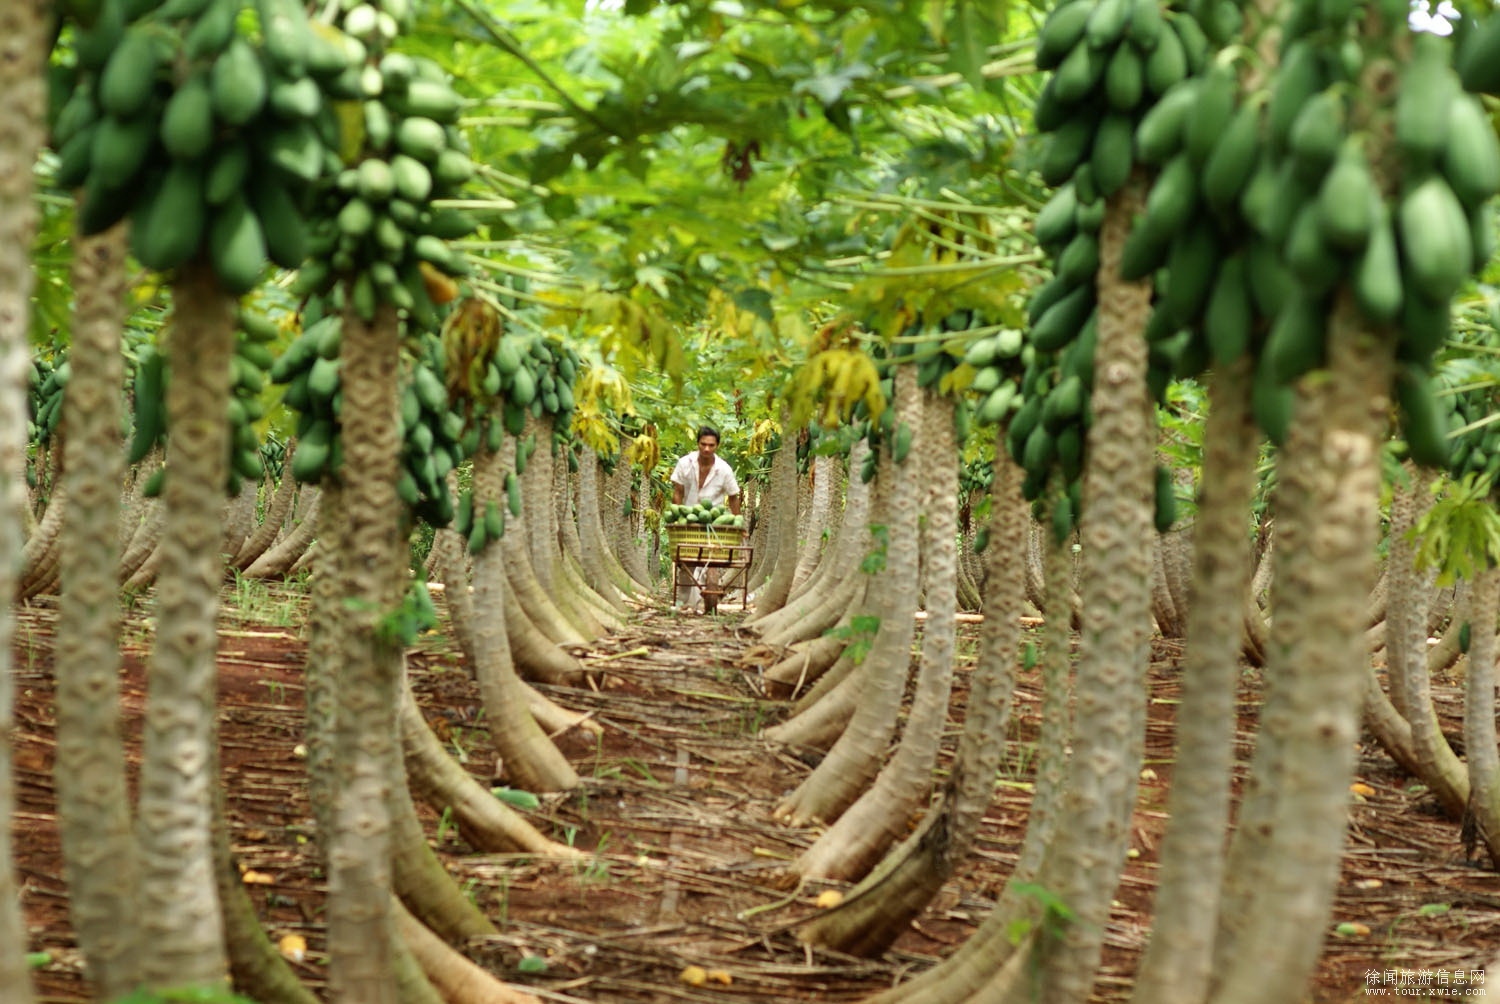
x,y
620,527
39,569
1328,526
824,477
879,909
1178,961
992,948
93,804
599,558
182,934
1406,648
257,968
484,821
280,558
454,977
23,55
838,571
530,758
879,817
278,507
1483,821
856,758
372,566
777,588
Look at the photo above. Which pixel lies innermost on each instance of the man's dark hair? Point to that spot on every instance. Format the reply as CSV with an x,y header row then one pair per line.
x,y
708,430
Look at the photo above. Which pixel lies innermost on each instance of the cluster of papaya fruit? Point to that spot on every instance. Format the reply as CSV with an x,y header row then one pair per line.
x,y
1114,63
254,335
47,380
432,432
1476,447
376,226
309,368
699,514
204,122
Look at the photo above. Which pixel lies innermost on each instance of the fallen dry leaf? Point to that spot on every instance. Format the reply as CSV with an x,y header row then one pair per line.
x,y
293,946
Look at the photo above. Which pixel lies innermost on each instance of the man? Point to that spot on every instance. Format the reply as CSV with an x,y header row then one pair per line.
x,y
704,476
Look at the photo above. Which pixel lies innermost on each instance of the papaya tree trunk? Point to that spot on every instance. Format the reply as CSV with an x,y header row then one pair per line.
x,y
101,862
1178,962
1084,862
372,566
881,906
1479,716
1327,524
856,758
1406,648
23,54
182,935
530,758
777,587
880,816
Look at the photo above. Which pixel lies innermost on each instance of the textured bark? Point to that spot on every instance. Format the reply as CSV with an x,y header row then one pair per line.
x,y
1084,862
854,760
815,531
1436,765
421,882
278,507
279,559
372,571
536,491
879,909
23,54
778,586
1479,715
838,572
239,518
620,528
325,641
845,526
802,666
144,537
531,759
451,566
181,930
93,805
39,559
1178,962
594,556
992,948
537,600
534,655
484,821
1328,526
879,818
1057,722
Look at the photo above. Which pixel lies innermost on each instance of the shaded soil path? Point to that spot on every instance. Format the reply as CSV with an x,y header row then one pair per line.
x,y
686,868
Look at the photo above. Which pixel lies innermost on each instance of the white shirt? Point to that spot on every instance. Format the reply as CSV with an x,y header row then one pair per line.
x,y
718,486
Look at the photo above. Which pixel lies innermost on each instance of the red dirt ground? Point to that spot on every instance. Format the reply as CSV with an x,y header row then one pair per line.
x,y
676,812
